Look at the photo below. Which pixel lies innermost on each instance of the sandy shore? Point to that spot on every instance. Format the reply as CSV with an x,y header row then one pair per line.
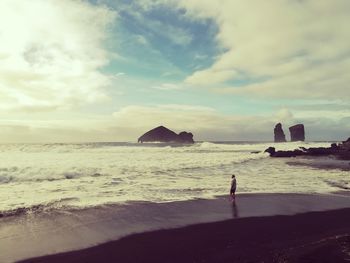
x,y
308,237
321,162
52,232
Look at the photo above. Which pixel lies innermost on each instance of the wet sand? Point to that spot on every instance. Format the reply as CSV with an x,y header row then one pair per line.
x,y
321,162
52,232
308,237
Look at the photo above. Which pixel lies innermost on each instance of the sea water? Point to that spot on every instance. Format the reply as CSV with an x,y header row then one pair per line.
x,y
65,176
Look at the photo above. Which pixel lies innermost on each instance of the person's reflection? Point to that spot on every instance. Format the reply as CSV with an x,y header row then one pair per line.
x,y
234,209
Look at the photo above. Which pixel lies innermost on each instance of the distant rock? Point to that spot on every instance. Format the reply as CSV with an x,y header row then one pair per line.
x,y
186,137
297,133
163,134
279,133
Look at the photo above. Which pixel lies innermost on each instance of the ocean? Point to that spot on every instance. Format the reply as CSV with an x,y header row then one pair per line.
x,y
36,177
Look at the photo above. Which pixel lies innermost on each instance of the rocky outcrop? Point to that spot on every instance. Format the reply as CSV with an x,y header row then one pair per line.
x,y
297,133
279,133
186,137
345,145
341,151
163,134
273,153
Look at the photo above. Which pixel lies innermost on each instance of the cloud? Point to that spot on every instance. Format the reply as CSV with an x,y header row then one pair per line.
x,y
204,122
200,56
155,26
51,53
211,76
172,115
141,39
297,49
207,124
284,115
336,106
168,86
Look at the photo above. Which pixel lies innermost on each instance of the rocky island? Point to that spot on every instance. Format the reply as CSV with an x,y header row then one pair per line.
x,y
163,134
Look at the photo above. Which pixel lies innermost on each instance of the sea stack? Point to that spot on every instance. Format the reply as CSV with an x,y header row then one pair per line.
x,y
297,133
279,134
163,134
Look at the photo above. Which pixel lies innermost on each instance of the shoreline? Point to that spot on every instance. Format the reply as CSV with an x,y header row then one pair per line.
x,y
35,235
320,162
307,237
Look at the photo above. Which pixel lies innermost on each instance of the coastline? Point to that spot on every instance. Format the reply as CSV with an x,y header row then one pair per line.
x,y
51,233
320,162
308,237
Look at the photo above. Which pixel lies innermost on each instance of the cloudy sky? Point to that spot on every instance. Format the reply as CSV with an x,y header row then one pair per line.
x,y
109,70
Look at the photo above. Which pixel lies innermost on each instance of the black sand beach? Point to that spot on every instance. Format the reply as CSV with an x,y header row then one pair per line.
x,y
309,237
258,228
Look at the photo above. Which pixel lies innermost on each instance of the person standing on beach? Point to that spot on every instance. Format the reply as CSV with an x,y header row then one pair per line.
x,y
233,187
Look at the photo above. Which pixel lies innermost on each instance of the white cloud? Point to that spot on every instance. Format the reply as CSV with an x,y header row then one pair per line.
x,y
177,35
176,116
298,48
141,39
168,86
207,124
210,76
117,75
204,122
200,56
51,52
284,115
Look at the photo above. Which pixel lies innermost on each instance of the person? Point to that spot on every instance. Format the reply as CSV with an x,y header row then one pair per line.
x,y
233,187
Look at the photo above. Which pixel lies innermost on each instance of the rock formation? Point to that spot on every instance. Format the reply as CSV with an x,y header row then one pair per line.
x,y
297,133
340,151
279,134
163,134
273,153
186,137
345,145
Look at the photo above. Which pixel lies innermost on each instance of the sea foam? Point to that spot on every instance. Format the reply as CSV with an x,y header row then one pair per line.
x,y
95,174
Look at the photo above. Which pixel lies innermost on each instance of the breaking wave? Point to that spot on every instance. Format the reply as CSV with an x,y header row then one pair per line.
x,y
33,176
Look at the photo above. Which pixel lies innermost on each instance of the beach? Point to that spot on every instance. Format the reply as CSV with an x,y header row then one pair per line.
x,y
307,237
252,217
174,131
92,198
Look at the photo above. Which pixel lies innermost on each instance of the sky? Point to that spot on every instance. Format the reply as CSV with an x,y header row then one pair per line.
x,y
110,70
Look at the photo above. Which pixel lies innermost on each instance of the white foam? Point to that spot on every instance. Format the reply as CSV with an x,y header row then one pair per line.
x,y
95,174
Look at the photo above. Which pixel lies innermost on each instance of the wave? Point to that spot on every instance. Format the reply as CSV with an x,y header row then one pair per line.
x,y
39,208
255,146
95,174
33,174
342,184
130,146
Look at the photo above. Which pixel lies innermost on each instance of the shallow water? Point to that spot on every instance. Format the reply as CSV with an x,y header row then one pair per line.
x,y
62,176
